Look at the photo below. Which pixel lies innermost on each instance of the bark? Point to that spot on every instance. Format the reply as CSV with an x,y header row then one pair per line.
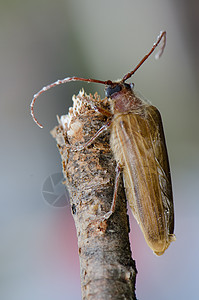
x,y
106,266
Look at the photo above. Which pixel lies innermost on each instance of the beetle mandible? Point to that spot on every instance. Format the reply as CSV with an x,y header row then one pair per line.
x,y
138,144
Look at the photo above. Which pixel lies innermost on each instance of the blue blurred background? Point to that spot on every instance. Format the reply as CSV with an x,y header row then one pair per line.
x,y
43,40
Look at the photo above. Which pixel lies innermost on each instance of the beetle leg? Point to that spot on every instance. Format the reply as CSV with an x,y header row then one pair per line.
x,y
117,180
102,129
101,110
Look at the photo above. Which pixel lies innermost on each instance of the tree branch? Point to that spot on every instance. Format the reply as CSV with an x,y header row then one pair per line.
x,y
106,267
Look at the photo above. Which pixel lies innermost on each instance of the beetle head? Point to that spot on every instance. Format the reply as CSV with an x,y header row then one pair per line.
x,y
117,87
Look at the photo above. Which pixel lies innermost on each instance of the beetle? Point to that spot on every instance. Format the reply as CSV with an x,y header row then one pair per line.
x,y
138,144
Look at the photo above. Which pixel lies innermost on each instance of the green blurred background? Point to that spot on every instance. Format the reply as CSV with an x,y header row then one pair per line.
x,y
42,41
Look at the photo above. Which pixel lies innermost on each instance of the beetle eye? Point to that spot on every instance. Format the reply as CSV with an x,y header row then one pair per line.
x,y
129,86
111,90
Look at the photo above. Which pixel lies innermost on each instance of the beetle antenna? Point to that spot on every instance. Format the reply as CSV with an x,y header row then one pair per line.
x,y
58,82
161,36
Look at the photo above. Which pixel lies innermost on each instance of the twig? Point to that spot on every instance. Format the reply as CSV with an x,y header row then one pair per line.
x,y
106,267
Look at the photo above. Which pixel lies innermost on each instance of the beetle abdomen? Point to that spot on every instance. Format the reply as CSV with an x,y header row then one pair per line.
x,y
138,143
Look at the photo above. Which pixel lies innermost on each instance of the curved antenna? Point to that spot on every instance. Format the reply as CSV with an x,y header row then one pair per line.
x,y
58,82
161,36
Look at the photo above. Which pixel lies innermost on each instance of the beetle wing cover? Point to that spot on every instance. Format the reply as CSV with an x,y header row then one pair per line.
x,y
138,144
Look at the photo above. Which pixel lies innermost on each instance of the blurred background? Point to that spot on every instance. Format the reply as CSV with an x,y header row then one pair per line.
x,y
42,41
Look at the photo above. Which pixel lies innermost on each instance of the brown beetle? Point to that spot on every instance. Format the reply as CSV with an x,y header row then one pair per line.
x,y
138,144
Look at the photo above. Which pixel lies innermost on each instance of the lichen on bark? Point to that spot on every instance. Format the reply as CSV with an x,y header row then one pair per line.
x,y
107,269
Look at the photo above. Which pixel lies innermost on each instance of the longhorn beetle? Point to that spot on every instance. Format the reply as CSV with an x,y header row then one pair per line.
x,y
138,144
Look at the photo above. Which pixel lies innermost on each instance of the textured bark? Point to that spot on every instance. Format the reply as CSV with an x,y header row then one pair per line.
x,y
106,267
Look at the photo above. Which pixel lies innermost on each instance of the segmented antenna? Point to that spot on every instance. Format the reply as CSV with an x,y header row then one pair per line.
x,y
161,36
58,82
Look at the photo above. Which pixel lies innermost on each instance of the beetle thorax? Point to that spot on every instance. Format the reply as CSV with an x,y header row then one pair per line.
x,y
125,101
